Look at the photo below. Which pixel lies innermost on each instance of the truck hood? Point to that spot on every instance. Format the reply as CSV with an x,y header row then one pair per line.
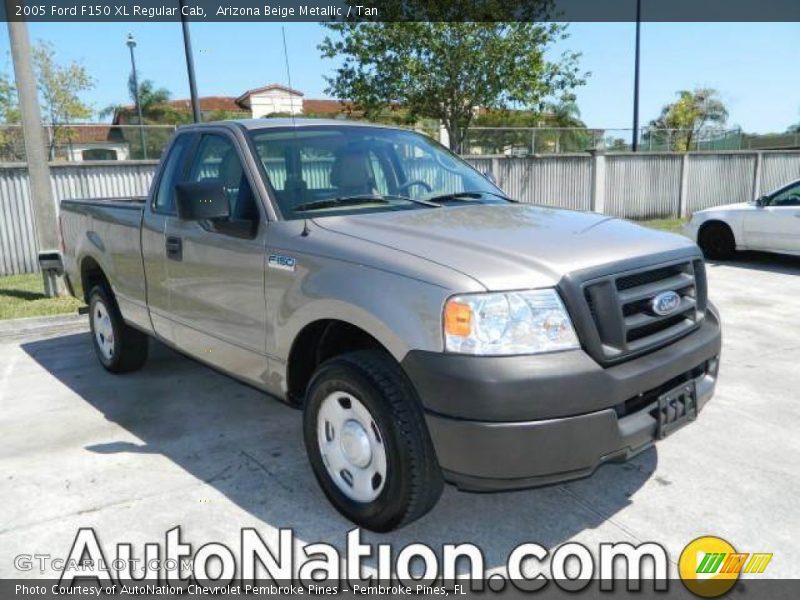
x,y
511,246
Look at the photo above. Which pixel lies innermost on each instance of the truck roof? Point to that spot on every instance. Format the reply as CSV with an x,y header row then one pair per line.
x,y
270,122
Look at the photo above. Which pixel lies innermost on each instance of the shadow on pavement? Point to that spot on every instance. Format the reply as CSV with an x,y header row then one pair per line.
x,y
762,261
249,447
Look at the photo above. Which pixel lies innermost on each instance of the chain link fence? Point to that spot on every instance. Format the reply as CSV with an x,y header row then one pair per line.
x,y
524,141
90,142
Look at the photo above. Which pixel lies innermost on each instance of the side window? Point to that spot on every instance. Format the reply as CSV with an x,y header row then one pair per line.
x,y
216,160
164,200
788,197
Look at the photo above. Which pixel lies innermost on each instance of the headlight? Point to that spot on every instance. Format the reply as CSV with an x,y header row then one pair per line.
x,y
525,322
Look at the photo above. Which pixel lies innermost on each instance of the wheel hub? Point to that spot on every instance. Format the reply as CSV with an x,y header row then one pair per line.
x,y
352,447
355,444
103,329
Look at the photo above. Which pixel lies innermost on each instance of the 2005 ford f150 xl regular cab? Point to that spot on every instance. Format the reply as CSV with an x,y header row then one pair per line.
x,y
430,328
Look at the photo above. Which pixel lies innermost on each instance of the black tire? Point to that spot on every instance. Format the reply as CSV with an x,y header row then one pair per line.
x,y
128,349
413,480
717,242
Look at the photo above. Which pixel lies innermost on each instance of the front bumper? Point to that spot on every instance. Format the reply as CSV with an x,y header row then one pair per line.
x,y
516,422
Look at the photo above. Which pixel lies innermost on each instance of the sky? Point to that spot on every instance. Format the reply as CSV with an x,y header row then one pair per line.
x,y
753,65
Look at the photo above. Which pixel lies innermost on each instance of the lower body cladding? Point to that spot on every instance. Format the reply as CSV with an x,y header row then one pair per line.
x,y
514,422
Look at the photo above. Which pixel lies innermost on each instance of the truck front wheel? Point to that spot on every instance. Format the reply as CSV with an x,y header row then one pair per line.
x,y
119,348
367,441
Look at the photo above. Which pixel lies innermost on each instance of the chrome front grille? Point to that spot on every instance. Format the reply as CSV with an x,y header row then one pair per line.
x,y
621,317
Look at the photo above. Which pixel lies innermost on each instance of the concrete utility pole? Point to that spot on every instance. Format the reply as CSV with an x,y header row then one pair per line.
x,y
42,203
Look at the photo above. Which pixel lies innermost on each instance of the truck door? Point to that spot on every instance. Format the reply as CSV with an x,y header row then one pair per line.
x,y
159,208
775,226
215,273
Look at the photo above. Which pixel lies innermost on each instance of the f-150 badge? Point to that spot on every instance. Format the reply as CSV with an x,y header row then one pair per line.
x,y
281,261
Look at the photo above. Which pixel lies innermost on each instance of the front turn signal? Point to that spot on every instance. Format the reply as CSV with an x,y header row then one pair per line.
x,y
457,318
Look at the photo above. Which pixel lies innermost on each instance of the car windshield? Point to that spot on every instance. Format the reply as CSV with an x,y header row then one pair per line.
x,y
318,171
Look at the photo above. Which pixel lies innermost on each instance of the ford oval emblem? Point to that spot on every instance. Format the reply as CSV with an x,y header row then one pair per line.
x,y
665,303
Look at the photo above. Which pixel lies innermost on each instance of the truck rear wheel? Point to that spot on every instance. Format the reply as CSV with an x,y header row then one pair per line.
x,y
120,348
717,242
367,441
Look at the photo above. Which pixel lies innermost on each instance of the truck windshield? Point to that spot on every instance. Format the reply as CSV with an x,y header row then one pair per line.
x,y
318,171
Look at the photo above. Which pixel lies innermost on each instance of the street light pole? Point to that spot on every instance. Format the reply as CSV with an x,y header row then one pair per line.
x,y
132,44
635,141
187,47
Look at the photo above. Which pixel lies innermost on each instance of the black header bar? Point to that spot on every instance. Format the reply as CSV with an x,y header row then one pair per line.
x,y
399,10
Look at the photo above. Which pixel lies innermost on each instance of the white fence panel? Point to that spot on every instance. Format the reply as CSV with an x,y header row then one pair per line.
x,y
17,233
778,169
643,186
716,179
101,180
560,180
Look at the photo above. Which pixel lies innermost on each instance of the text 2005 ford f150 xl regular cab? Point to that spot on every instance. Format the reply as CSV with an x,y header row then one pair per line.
x,y
430,328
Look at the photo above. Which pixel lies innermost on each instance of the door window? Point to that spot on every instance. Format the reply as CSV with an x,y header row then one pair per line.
x,y
216,160
788,197
164,200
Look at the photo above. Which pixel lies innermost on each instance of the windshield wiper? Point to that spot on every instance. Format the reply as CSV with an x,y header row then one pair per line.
x,y
356,200
416,201
465,197
343,201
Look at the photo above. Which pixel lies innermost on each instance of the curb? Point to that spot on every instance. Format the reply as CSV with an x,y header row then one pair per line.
x,y
11,328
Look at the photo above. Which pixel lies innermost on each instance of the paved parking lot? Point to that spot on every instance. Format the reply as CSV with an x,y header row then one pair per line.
x,y
178,443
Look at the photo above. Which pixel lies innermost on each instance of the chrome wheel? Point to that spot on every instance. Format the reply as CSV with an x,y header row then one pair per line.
x,y
103,329
352,447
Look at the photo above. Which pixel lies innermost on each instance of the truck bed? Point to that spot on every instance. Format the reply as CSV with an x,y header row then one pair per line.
x,y
109,230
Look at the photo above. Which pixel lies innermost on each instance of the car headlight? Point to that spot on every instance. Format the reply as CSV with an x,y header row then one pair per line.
x,y
524,322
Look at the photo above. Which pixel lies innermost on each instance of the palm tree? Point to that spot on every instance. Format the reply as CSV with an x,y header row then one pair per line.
x,y
565,113
692,112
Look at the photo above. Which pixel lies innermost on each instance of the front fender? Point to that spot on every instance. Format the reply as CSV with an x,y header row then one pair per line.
x,y
400,312
732,219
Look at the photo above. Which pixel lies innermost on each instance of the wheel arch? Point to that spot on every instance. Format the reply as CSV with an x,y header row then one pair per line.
x,y
319,341
92,274
718,221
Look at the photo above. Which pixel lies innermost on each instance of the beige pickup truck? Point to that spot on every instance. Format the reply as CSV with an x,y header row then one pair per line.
x,y
430,328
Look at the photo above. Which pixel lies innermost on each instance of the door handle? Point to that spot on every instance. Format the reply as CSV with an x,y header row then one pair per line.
x,y
174,247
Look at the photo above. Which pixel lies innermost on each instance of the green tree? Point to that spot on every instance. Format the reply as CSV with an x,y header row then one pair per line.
x,y
155,103
9,106
447,70
688,116
11,140
156,107
59,93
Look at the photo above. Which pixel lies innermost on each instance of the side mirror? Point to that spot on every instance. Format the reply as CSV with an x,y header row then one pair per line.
x,y
490,176
201,201
762,201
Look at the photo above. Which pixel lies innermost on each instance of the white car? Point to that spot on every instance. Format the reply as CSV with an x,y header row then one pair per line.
x,y
771,223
